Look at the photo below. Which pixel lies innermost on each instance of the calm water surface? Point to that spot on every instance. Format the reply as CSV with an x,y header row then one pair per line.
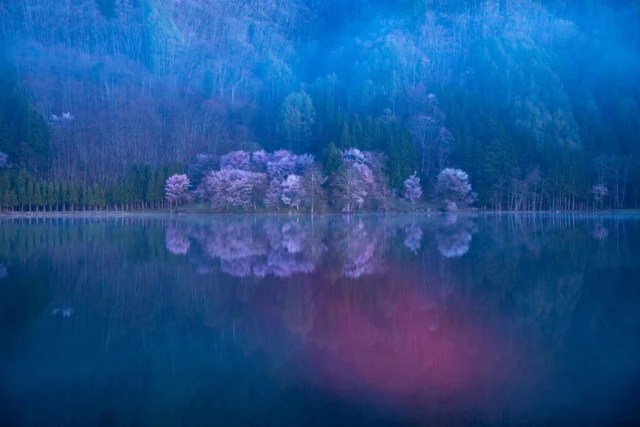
x,y
339,321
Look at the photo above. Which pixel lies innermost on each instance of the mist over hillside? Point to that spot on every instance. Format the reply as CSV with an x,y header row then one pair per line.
x,y
535,100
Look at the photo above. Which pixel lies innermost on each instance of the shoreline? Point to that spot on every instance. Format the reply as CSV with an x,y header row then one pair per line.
x,y
170,213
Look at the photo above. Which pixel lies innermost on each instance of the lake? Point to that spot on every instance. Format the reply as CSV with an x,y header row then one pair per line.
x,y
332,321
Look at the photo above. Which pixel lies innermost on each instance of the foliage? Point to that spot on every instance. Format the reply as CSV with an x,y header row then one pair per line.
x,y
453,187
412,188
505,90
176,189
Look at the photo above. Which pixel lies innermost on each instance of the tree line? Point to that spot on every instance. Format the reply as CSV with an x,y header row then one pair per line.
x,y
535,101
141,188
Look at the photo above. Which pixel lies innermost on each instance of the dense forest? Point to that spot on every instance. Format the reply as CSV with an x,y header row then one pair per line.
x,y
537,101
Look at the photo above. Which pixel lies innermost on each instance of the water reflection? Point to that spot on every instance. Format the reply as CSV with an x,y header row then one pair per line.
x,y
283,247
363,320
455,236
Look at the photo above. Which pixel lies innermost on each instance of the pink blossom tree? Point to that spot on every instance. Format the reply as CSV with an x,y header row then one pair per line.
x,y
281,163
453,186
236,160
304,161
231,188
412,188
260,158
293,192
274,193
176,189
352,185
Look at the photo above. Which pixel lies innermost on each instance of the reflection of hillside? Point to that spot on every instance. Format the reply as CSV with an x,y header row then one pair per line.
x,y
484,329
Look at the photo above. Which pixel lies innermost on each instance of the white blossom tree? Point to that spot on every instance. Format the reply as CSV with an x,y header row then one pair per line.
x,y
313,182
231,188
236,160
352,185
412,188
453,186
176,189
293,192
274,193
599,191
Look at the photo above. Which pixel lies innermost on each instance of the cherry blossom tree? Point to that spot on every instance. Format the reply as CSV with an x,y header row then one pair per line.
x,y
236,160
352,185
599,191
313,181
304,161
274,193
353,155
231,188
293,192
176,188
281,163
412,188
3,159
453,186
260,158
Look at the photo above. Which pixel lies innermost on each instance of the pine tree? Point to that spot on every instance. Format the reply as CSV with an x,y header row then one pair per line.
x,y
64,195
345,136
5,188
31,194
74,196
21,189
56,195
332,159
86,198
52,196
150,193
37,195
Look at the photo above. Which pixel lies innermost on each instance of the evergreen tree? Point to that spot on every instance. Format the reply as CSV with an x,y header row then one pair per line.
x,y
332,159
21,189
74,196
64,195
38,200
52,196
31,193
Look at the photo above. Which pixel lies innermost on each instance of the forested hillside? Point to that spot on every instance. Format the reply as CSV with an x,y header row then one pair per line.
x,y
536,100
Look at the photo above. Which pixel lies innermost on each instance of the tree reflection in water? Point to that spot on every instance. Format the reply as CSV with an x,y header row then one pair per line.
x,y
425,315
